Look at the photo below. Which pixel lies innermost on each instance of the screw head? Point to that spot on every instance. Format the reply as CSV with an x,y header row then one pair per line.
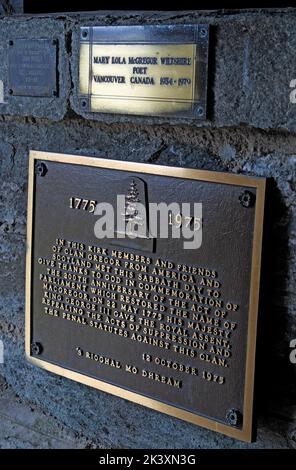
x,y
203,33
10,91
247,199
40,169
10,42
36,349
233,417
200,111
84,33
83,103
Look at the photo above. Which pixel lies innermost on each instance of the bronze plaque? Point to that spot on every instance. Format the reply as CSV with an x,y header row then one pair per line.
x,y
144,70
32,67
140,313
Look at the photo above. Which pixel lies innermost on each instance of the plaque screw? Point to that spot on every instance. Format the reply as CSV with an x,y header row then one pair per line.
x,y
36,349
10,42
10,91
233,417
247,199
83,103
40,169
84,33
203,33
200,111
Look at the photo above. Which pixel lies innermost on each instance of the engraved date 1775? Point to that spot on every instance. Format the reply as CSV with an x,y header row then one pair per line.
x,y
83,204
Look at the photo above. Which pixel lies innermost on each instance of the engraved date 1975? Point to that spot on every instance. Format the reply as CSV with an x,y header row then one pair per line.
x,y
79,203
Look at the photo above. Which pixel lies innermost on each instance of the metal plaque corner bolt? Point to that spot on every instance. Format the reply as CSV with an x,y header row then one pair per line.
x,y
36,349
32,67
234,417
144,70
247,199
40,169
137,314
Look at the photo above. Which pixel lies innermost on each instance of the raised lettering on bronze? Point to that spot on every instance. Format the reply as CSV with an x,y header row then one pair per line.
x,y
156,320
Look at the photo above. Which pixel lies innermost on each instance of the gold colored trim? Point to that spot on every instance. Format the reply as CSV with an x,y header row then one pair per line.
x,y
244,434
83,65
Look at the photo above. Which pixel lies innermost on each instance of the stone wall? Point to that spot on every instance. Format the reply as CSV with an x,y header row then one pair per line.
x,y
251,129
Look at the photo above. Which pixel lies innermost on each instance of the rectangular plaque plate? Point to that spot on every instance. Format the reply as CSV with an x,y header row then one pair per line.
x,y
170,328
144,70
32,67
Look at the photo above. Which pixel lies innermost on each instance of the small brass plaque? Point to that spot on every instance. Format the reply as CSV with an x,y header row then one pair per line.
x,y
32,67
140,313
144,70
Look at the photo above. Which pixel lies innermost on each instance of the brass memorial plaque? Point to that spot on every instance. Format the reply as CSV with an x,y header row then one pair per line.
x,y
164,316
144,70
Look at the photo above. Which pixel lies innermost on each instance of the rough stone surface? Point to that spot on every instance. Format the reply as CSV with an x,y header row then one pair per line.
x,y
250,134
251,64
28,28
10,7
25,426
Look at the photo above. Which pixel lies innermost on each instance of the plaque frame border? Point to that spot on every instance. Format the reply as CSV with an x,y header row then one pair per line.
x,y
246,432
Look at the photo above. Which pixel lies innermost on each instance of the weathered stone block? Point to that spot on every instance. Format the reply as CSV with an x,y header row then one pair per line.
x,y
251,65
28,103
251,130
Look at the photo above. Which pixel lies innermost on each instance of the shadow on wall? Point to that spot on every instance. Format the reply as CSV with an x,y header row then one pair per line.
x,y
274,375
211,72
